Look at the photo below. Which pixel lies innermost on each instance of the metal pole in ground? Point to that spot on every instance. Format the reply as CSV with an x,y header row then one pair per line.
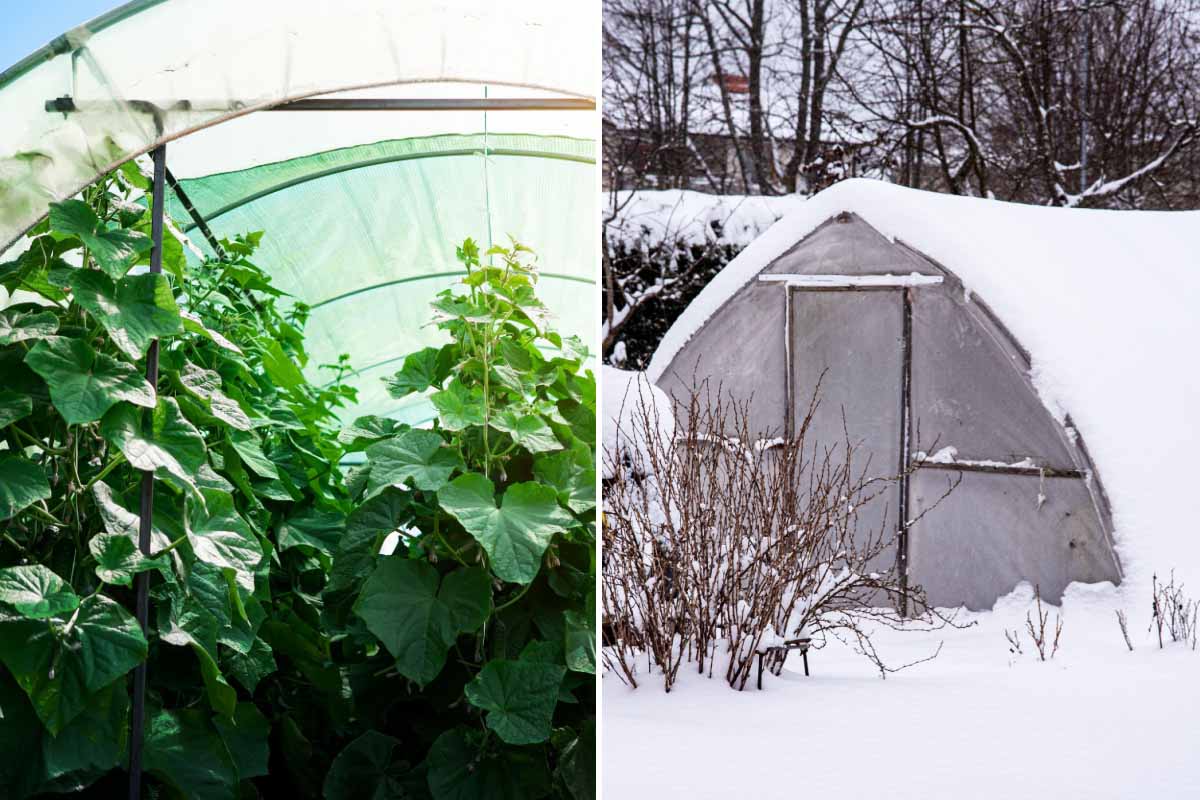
x,y
146,511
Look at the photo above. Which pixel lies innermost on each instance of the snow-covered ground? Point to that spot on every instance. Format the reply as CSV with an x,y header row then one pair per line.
x,y
976,723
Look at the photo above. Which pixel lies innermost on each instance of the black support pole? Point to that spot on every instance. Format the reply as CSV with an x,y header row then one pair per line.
x,y
199,220
142,580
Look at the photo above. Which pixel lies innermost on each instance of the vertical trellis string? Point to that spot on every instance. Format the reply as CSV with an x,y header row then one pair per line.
x,y
487,191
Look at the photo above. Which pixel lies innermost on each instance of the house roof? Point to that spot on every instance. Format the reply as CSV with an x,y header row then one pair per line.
x,y
1105,303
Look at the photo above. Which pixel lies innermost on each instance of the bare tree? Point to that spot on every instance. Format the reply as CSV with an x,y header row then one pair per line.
x,y
1089,102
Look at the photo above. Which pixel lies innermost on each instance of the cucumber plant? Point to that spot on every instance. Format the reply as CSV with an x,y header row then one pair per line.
x,y
247,491
478,631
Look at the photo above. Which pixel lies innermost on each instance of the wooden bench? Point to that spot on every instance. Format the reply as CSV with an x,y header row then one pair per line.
x,y
773,657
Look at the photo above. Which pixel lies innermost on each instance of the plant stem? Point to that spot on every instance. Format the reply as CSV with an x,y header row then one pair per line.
x,y
169,547
46,516
44,446
514,599
437,531
116,461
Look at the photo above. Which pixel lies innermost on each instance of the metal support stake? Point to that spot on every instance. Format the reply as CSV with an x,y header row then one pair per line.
x,y
142,581
905,446
199,220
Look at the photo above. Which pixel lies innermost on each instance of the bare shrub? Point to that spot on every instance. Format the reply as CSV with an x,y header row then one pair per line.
x,y
1123,621
1174,612
1037,630
723,541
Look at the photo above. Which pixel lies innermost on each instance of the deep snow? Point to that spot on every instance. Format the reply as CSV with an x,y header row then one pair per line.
x,y
627,397
976,723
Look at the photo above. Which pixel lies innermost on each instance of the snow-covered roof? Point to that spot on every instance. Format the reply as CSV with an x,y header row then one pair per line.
x,y
1106,303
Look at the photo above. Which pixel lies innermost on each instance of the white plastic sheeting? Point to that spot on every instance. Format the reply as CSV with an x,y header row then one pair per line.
x,y
156,70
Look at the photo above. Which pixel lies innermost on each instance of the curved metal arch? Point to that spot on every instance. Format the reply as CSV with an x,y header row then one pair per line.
x,y
431,275
374,162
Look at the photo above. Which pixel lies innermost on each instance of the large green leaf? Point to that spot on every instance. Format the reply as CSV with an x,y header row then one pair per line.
x,y
527,430
22,483
366,430
187,621
458,407
135,311
62,661
17,325
369,768
417,455
422,370
220,537
365,529
577,763
194,324
249,449
206,385
402,605
459,768
252,667
85,384
171,447
320,529
184,749
246,739
580,644
280,368
118,559
516,534
519,697
572,473
36,592
115,249
94,743
14,406
120,521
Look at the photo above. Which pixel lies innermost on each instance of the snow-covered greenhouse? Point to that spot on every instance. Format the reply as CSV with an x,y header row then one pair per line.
x,y
976,339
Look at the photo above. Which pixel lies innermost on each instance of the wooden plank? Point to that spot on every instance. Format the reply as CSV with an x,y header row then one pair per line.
x,y
1003,469
849,283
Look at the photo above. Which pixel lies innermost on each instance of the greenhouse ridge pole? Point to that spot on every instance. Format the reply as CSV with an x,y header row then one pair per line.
x,y
146,511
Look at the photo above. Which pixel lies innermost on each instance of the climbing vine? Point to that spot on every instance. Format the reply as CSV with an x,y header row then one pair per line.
x,y
244,450
485,610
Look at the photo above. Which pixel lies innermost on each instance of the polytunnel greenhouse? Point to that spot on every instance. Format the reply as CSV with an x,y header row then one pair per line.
x,y
297,414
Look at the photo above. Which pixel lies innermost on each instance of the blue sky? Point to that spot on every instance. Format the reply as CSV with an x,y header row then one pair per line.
x,y
27,25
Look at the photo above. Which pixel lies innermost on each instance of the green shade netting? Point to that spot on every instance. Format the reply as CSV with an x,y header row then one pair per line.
x,y
366,235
